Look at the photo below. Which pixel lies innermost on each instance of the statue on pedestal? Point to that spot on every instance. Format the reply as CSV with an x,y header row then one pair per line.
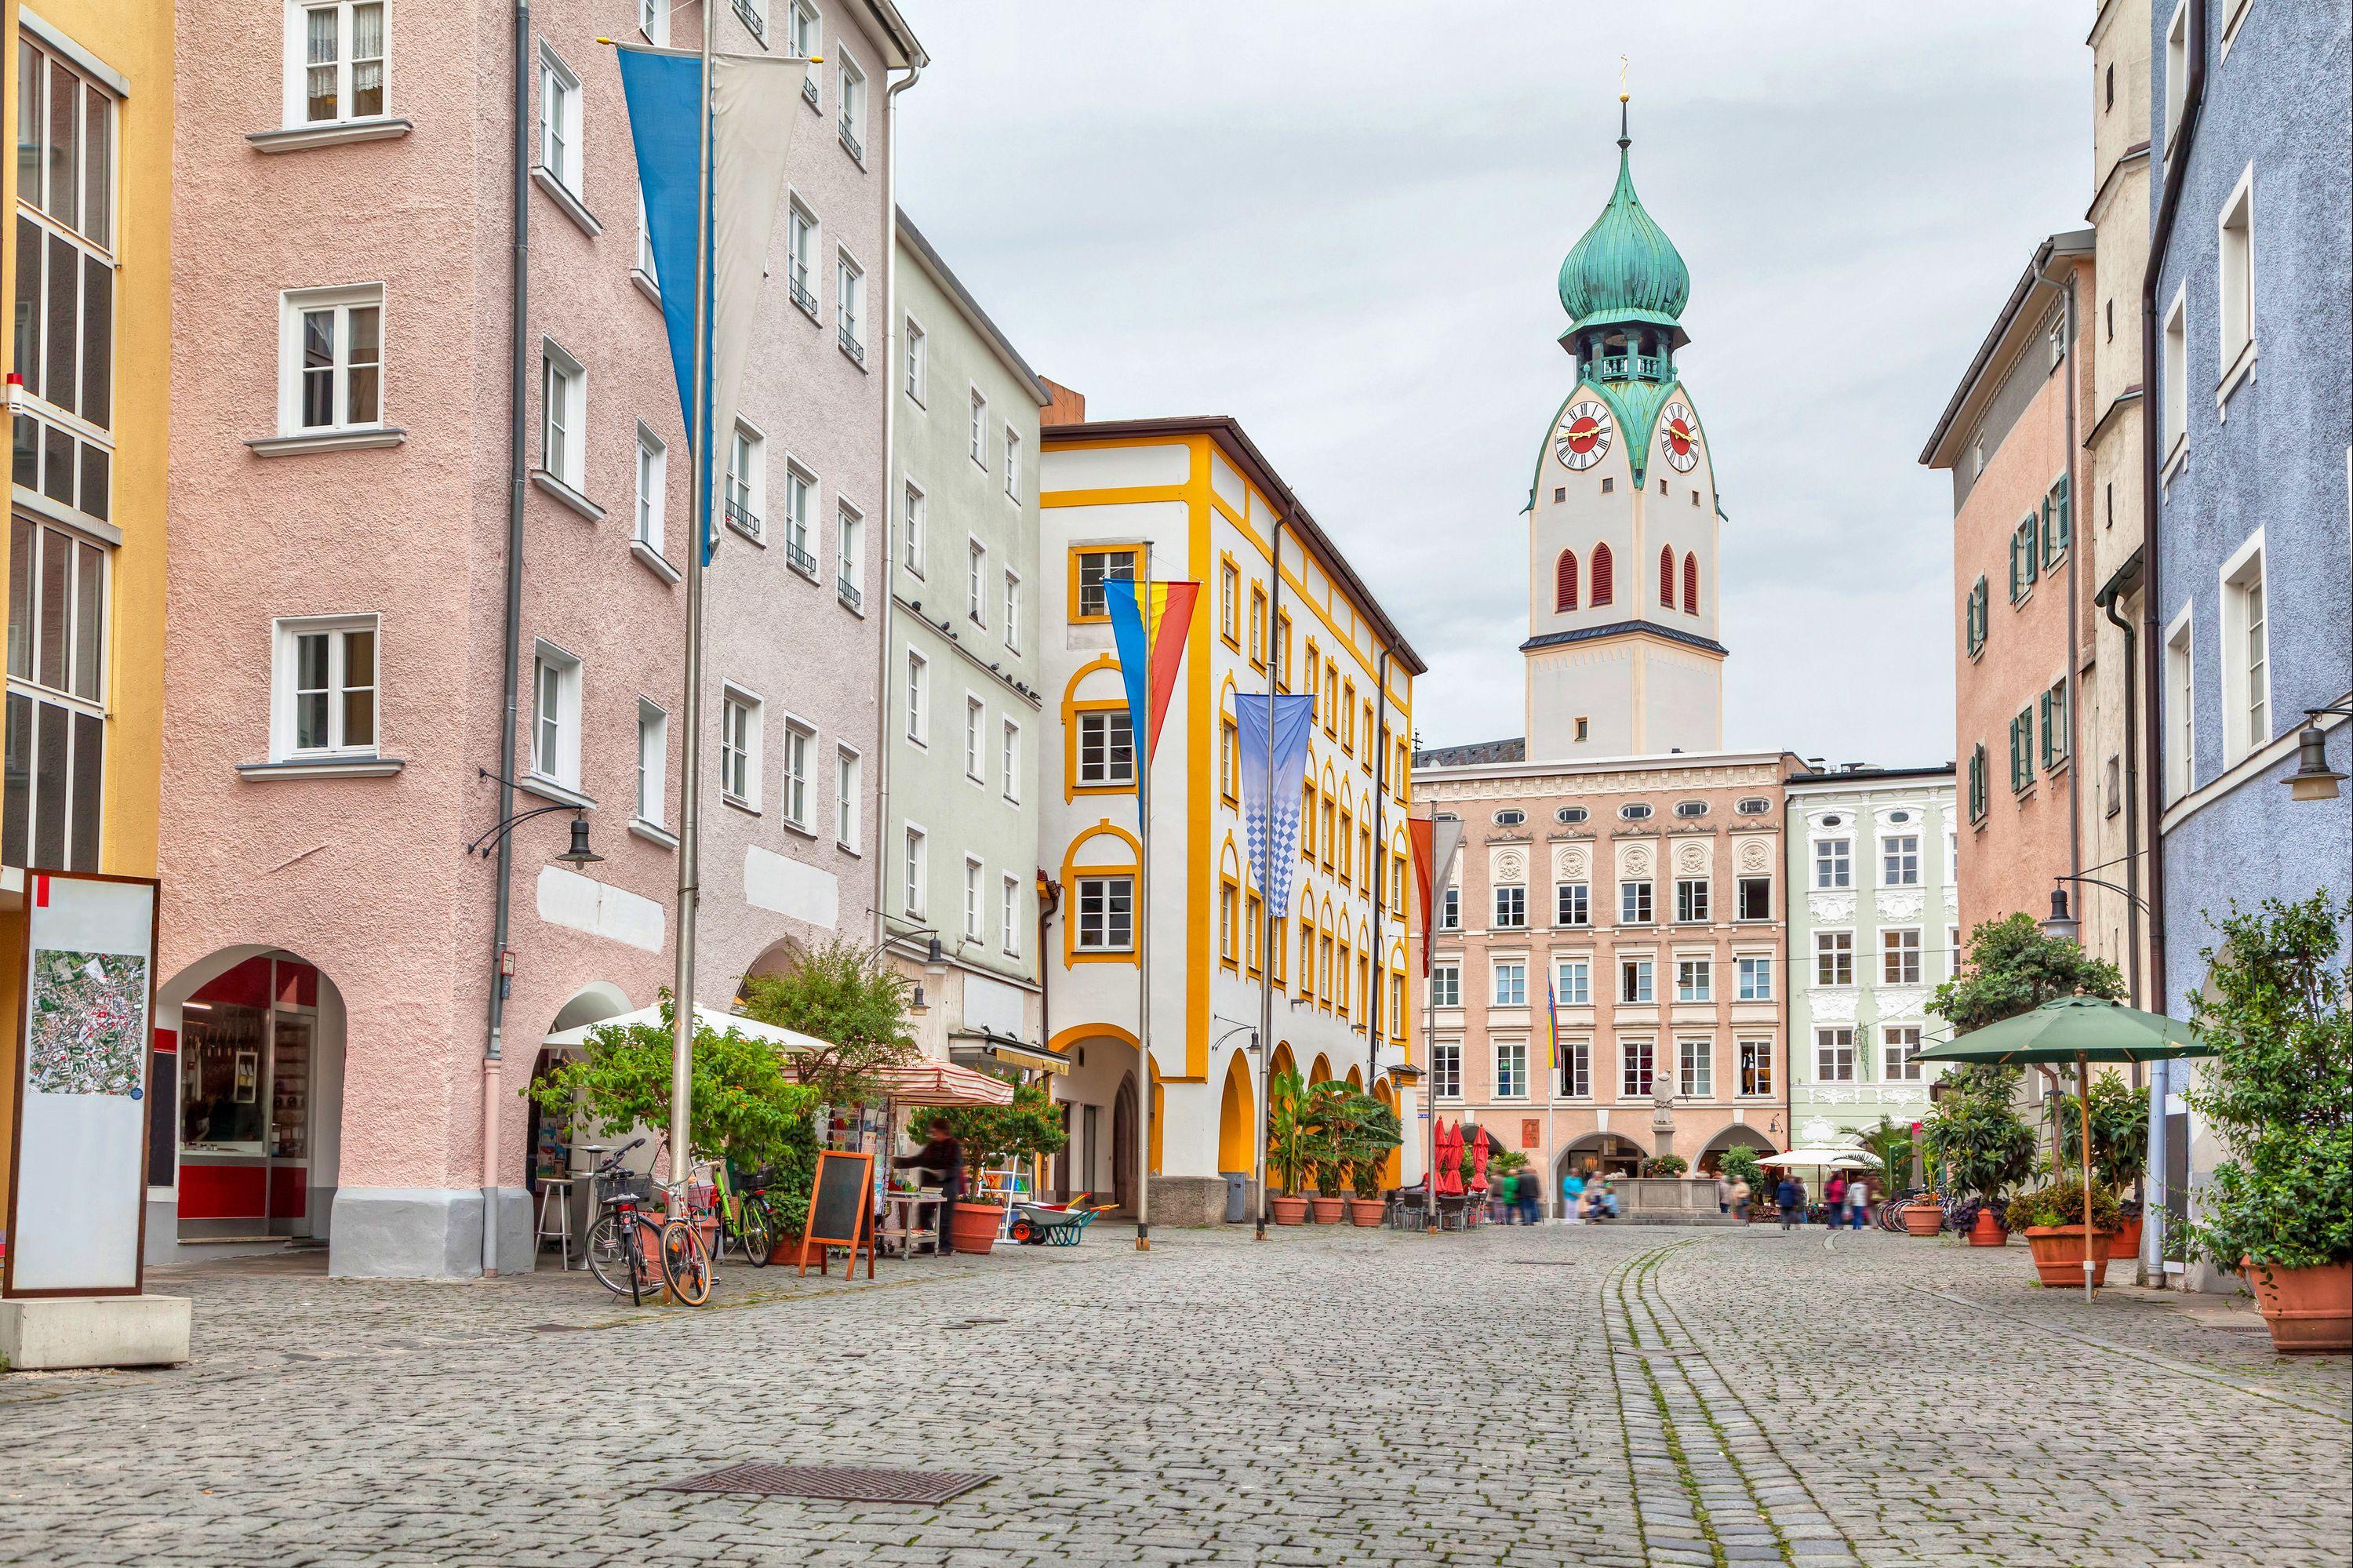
x,y
1662,1118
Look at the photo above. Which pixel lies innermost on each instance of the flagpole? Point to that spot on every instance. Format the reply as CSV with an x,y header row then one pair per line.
x,y
1266,916
1141,747
689,817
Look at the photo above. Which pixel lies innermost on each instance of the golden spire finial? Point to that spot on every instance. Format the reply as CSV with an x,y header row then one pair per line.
x,y
1624,140
1622,94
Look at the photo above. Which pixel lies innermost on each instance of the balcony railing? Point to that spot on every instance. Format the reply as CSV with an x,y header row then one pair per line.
x,y
743,519
800,560
751,18
850,344
809,88
850,593
801,296
850,143
1631,367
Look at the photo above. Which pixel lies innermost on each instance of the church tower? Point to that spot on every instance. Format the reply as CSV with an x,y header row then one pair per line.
x,y
1622,656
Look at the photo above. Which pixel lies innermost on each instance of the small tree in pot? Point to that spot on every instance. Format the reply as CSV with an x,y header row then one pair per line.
x,y
2278,1012
1980,1148
1286,1152
1328,1121
1375,1136
2118,1115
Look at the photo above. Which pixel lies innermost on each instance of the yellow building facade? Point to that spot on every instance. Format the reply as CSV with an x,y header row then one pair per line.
x,y
87,272
1194,499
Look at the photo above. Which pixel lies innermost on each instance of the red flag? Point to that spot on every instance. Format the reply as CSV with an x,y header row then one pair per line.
x,y
1417,830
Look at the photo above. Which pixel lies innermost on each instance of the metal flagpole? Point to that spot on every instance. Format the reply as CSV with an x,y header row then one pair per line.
x,y
690,835
1266,880
1429,1041
1141,744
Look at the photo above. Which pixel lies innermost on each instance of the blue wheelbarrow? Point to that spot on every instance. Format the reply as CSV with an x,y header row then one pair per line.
x,y
1050,1224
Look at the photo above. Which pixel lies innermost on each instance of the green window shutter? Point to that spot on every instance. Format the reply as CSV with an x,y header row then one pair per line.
x,y
2056,748
2060,528
2013,566
1977,783
2027,556
2042,716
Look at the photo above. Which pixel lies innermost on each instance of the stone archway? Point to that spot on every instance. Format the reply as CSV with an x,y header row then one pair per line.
x,y
1237,1116
1612,1152
1736,1136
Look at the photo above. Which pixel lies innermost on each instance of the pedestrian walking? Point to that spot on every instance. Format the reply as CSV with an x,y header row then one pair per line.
x,y
1791,1199
1834,1199
1572,1197
1741,1194
1858,1202
942,1156
1722,1195
1506,1197
1530,1191
1609,1197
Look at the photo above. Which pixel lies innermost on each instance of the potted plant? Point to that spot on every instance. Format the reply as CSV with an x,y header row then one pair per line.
x,y
2053,1219
1664,1165
1976,1139
1286,1154
2119,1118
2277,1011
1329,1120
992,1136
1739,1163
1376,1135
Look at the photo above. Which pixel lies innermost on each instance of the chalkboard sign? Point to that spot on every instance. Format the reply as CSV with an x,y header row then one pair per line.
x,y
840,1210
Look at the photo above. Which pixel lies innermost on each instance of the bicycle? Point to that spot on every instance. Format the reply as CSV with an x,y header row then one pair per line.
x,y
628,1250
743,1217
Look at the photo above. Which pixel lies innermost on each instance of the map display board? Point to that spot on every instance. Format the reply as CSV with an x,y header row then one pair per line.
x,y
78,1150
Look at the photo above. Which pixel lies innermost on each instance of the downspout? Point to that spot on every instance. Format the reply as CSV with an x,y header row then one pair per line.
x,y
2075,559
2106,600
894,350
518,389
1380,867
2179,143
1049,899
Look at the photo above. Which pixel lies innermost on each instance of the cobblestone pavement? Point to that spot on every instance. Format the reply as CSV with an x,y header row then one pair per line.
x,y
1561,1395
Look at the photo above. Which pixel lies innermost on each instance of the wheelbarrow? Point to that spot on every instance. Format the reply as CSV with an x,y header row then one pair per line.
x,y
1049,1224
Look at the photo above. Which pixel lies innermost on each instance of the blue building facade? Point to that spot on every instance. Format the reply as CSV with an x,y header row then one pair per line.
x,y
2252,398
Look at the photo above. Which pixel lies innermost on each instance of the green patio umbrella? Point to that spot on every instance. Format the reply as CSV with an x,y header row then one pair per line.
x,y
2082,1030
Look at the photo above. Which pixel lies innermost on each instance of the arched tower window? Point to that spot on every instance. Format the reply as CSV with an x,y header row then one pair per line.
x,y
1691,585
1603,585
1667,577
1564,582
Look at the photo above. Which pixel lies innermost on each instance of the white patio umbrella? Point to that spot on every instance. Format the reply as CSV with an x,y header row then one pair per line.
x,y
709,1018
1824,1159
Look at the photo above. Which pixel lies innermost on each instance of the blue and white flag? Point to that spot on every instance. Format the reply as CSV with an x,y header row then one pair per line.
x,y
753,100
1270,793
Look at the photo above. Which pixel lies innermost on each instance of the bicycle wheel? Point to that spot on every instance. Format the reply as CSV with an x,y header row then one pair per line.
x,y
685,1262
608,1253
758,1241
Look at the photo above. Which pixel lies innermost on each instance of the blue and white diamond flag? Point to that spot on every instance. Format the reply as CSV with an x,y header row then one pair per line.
x,y
1270,793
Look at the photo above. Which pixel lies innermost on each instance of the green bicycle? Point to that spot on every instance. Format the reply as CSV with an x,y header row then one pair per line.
x,y
745,1221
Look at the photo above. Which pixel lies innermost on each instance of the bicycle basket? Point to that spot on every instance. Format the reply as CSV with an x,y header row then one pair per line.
x,y
629,1187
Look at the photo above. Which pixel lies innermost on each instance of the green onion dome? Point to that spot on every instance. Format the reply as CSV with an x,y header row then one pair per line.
x,y
1625,269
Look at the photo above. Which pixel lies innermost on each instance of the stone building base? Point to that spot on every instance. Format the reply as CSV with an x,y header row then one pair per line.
x,y
424,1232
1189,1199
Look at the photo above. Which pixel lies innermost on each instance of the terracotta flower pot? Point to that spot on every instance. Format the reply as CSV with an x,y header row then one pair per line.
x,y
974,1226
1289,1211
2059,1255
1988,1230
2307,1310
1923,1219
1330,1211
2126,1243
1368,1212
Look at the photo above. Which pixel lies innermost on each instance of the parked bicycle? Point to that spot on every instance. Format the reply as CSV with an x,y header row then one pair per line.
x,y
633,1252
744,1218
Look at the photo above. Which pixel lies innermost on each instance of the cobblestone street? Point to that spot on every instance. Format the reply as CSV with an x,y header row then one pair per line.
x,y
1603,1396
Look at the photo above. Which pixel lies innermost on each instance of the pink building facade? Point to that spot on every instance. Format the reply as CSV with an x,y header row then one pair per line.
x,y
340,493
1637,906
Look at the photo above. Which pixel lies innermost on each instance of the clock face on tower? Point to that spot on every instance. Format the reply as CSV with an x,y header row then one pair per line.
x,y
1679,437
1583,438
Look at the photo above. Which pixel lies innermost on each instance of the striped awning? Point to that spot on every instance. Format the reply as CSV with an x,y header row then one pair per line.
x,y
935,1083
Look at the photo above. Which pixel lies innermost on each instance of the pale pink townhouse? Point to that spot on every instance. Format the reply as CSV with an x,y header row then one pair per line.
x,y
362,404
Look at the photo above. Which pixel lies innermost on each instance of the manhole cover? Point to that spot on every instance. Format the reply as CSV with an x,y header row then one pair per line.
x,y
841,1484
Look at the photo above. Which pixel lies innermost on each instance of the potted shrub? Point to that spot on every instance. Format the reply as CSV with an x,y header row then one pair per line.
x,y
1286,1154
1664,1165
2119,1118
1739,1163
1376,1136
1329,1119
1977,1141
993,1136
2052,1218
2277,1011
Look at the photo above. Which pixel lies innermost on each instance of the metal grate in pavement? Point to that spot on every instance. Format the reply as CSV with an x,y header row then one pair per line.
x,y
837,1483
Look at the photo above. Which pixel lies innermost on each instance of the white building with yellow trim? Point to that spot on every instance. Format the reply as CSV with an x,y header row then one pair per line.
x,y
1193,498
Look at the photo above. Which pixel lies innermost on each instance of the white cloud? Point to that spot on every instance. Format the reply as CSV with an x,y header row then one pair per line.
x,y
1341,223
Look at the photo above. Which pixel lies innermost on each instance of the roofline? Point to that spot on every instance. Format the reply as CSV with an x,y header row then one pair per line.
x,y
1867,775
2073,243
1634,627
950,284
1659,761
2137,153
1228,432
895,32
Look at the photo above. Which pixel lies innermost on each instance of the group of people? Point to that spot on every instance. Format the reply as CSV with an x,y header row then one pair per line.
x,y
1583,1197
1845,1200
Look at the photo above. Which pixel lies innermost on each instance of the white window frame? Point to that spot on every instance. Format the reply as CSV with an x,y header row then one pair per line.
x,y
2176,72
1446,1070
1095,935
803,235
1507,980
976,581
849,88
849,803
976,437
563,415
1696,1068
975,919
744,482
1637,973
293,305
556,756
1826,946
284,726
1106,772
1008,759
562,155
2173,431
1899,1057
1573,983
1901,962
916,365
298,65
1631,1084
1695,979
1446,984
2181,713
1013,465
646,517
1834,863
1829,1068
1511,1069
2244,642
653,764
653,22
798,790
918,698
1511,906
1008,914
2234,271
1012,628
849,304
1751,977
804,39
739,745
975,723
1755,1065
849,554
912,522
915,873
1891,867
801,493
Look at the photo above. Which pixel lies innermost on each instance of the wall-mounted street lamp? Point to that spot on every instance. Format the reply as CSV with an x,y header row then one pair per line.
x,y
2063,926
2314,780
576,854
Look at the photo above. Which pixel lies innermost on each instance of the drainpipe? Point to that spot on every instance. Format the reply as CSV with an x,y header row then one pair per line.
x,y
518,388
1049,899
893,349
2113,590
2178,146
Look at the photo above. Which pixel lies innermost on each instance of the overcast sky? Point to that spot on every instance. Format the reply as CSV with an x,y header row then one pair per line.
x,y
1341,223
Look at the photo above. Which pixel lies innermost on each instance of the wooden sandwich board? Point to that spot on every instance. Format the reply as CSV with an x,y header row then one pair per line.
x,y
841,1209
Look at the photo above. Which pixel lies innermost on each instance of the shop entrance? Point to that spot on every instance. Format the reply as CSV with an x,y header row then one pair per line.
x,y
257,1058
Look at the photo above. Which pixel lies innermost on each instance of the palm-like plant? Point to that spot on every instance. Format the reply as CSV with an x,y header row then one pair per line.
x,y
1891,1143
1286,1128
1329,1120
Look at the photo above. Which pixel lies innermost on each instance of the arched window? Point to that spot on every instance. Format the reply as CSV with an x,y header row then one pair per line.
x,y
1603,586
1691,584
1564,581
1667,577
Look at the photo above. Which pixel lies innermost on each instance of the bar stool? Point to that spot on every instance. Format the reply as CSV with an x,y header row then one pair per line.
x,y
555,1192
